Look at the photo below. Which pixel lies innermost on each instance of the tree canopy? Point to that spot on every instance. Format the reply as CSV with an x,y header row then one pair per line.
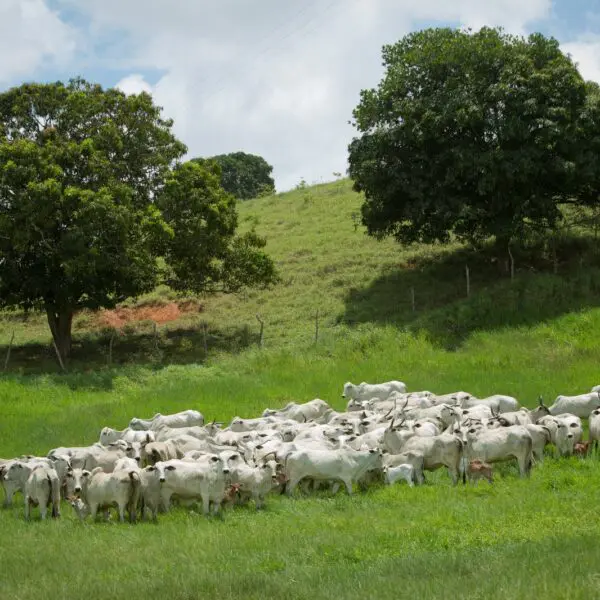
x,y
472,134
245,175
92,193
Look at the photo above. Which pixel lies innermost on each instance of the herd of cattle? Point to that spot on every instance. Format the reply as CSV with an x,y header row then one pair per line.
x,y
384,434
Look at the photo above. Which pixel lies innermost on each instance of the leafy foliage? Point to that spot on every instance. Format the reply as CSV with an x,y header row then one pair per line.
x,y
81,169
204,254
245,175
474,134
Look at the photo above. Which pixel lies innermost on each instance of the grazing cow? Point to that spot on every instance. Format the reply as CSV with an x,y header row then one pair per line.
x,y
345,465
580,406
368,391
403,471
477,470
186,418
494,445
40,485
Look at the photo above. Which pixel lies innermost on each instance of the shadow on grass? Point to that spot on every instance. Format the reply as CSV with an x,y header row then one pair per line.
x,y
543,288
90,367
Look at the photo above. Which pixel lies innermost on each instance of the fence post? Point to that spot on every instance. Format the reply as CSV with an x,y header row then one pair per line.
x,y
12,339
110,347
317,326
468,280
512,264
204,338
262,328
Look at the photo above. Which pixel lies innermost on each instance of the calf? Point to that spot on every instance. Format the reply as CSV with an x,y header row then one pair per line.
x,y
582,449
478,469
403,471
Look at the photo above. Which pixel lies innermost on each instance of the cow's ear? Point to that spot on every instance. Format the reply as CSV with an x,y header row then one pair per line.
x,y
170,468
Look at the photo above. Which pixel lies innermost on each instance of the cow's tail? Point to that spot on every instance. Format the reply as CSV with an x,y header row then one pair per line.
x,y
55,495
134,498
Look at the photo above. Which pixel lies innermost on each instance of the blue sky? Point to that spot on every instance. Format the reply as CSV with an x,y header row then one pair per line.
x,y
274,78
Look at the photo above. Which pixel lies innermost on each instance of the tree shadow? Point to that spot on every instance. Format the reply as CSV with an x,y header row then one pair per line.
x,y
94,365
430,294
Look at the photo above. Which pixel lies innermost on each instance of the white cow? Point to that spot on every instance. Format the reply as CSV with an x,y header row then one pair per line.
x,y
193,480
581,405
185,418
100,490
343,465
367,391
254,482
594,424
40,485
403,471
308,411
109,435
494,445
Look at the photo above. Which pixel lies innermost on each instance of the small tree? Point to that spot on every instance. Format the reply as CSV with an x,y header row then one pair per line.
x,y
205,255
468,133
245,175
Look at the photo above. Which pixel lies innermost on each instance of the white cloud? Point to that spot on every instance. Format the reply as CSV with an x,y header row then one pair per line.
x,y
274,78
31,35
134,84
586,53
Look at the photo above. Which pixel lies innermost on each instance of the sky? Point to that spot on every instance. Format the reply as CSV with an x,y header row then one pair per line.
x,y
278,78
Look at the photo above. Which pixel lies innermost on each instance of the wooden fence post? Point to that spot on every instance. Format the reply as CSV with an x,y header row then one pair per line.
x,y
110,347
468,280
317,326
12,339
512,264
204,338
262,328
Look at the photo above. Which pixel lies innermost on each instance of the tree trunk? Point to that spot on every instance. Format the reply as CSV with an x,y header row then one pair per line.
x,y
60,321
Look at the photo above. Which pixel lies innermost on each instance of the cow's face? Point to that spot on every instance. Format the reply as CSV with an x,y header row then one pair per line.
x,y
76,481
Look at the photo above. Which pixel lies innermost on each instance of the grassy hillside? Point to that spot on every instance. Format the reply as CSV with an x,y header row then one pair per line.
x,y
328,263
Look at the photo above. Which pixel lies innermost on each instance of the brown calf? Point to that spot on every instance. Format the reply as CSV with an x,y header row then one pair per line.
x,y
582,449
478,469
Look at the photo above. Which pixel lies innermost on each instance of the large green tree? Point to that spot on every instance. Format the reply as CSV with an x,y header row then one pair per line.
x,y
85,175
245,175
473,134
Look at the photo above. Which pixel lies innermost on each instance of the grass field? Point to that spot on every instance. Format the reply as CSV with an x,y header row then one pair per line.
x,y
518,539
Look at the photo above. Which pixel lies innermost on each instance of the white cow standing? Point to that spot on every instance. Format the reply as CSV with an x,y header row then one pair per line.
x,y
368,391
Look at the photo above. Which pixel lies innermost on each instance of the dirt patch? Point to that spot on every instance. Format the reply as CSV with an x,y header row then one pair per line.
x,y
159,313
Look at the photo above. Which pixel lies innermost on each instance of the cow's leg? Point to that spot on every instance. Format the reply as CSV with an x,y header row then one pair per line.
x,y
205,505
121,508
93,510
348,484
43,508
291,486
335,487
27,507
453,472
